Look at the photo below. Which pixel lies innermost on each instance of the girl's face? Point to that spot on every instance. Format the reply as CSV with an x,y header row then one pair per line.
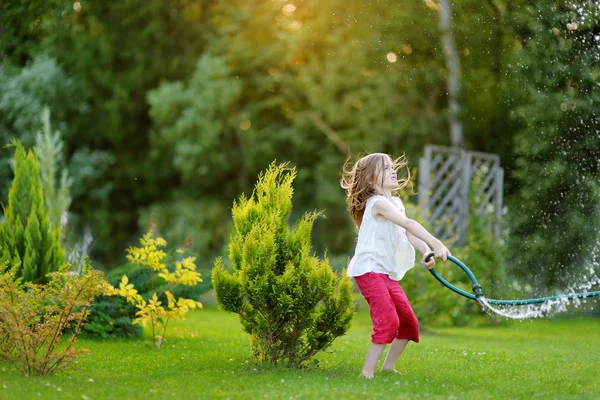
x,y
386,177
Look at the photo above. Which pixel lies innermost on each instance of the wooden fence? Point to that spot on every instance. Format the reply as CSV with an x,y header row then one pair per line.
x,y
455,182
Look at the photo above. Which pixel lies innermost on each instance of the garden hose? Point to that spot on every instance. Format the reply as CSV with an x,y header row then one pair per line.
x,y
479,293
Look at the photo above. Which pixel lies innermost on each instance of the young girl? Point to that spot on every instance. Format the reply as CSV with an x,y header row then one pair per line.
x,y
384,252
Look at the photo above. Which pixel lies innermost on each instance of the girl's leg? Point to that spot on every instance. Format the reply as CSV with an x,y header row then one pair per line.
x,y
373,356
408,327
396,349
383,315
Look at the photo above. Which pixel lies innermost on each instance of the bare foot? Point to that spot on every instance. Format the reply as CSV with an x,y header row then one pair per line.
x,y
391,370
366,376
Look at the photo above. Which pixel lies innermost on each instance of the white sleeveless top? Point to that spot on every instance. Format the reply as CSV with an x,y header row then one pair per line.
x,y
383,246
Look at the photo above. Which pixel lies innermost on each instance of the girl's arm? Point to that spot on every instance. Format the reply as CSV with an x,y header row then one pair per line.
x,y
418,244
388,211
422,247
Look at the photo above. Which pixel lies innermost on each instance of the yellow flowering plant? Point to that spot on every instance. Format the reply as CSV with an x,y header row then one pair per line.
x,y
154,312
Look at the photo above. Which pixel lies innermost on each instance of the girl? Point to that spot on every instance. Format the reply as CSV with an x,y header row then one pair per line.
x,y
384,252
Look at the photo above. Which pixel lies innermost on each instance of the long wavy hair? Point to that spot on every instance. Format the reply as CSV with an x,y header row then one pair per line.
x,y
358,180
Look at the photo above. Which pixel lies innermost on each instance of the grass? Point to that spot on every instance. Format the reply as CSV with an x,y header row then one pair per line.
x,y
540,359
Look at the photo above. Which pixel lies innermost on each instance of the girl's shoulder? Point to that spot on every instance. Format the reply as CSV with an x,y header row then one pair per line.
x,y
397,200
375,198
394,199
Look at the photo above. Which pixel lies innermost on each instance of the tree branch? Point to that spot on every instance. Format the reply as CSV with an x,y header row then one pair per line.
x,y
330,133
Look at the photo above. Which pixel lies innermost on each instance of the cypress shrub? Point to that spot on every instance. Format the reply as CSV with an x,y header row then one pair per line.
x,y
26,237
292,304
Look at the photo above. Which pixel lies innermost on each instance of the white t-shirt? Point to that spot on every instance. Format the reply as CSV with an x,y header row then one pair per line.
x,y
382,246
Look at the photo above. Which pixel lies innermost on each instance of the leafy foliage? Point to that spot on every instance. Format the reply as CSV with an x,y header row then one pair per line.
x,y
555,212
24,94
33,318
152,312
290,303
113,316
176,106
26,237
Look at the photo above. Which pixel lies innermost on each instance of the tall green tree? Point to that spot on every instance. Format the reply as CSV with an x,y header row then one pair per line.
x,y
49,149
26,236
197,138
556,214
24,94
117,51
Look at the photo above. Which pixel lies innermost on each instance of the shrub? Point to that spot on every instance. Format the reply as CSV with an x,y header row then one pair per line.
x,y
112,316
151,311
290,303
33,318
26,237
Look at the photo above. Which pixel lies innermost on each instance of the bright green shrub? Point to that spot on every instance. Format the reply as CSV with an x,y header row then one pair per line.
x,y
26,237
290,303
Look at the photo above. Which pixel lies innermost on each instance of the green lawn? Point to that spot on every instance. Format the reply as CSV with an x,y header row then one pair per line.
x,y
545,359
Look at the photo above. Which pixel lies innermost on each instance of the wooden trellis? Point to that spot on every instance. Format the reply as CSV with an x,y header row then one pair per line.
x,y
451,181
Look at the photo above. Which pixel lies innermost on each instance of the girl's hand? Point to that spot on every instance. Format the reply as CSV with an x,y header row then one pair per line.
x,y
441,251
428,263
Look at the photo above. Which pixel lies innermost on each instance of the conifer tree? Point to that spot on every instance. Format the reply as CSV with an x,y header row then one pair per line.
x,y
49,149
26,237
290,303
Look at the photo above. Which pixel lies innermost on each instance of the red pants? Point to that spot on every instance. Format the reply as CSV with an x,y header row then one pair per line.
x,y
390,310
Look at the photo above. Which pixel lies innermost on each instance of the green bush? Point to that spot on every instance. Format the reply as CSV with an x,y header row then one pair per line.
x,y
112,316
290,303
26,237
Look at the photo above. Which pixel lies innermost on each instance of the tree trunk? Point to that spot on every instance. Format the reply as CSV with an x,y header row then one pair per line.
x,y
453,66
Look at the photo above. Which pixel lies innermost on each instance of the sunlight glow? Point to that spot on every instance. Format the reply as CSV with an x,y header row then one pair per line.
x,y
295,26
431,5
288,10
366,72
391,57
245,125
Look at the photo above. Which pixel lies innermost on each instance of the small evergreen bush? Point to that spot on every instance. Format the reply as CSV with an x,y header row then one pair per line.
x,y
26,237
290,303
112,316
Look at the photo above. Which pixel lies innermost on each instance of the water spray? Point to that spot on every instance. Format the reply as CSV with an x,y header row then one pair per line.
x,y
487,303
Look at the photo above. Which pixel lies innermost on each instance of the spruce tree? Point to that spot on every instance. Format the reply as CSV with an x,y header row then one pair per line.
x,y
26,237
290,303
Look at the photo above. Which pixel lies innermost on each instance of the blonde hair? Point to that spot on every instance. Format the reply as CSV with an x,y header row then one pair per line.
x,y
358,180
